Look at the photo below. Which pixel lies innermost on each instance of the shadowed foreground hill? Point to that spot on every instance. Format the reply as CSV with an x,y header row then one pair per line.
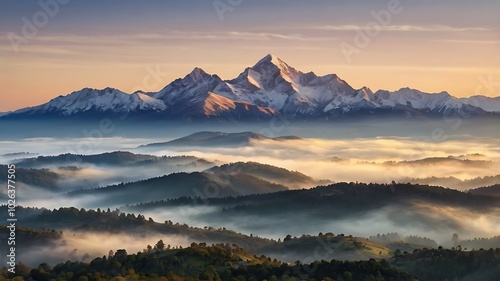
x,y
202,262
443,264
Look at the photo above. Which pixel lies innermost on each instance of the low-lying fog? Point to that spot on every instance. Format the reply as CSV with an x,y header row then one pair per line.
x,y
362,159
435,222
365,160
85,246
364,153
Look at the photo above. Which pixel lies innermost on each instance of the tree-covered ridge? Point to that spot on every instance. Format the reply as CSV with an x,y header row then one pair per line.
x,y
38,177
337,199
455,264
21,212
397,241
267,172
116,158
440,160
324,246
493,190
478,243
181,184
201,262
340,246
455,183
26,237
116,222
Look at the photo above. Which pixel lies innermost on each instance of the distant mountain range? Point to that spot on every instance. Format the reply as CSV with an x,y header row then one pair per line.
x,y
269,88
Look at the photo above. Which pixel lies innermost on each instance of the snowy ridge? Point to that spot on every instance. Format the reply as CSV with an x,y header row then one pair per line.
x,y
486,103
93,100
269,88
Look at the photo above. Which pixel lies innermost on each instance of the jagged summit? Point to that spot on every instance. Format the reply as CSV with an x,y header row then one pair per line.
x,y
269,88
271,59
271,64
198,74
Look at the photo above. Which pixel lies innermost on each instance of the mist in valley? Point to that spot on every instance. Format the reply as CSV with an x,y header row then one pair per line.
x,y
346,152
86,246
434,222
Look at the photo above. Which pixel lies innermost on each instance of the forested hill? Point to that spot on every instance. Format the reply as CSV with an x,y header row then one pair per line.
x,y
338,199
202,262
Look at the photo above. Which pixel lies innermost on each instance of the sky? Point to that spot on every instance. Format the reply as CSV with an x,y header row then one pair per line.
x,y
53,47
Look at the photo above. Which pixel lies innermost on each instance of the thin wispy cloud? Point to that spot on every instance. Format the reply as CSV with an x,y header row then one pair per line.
x,y
141,38
402,28
481,42
41,50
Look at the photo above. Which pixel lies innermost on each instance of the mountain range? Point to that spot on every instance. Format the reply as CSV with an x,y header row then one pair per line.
x,y
268,89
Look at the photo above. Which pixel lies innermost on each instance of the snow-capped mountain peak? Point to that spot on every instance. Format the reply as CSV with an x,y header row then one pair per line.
x,y
196,84
268,88
198,75
271,66
272,60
